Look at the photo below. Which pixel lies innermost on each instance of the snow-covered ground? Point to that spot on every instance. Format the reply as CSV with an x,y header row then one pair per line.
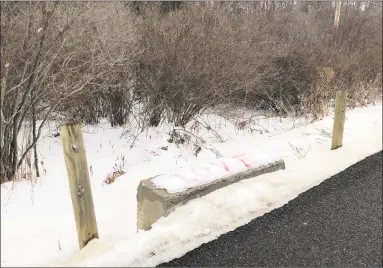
x,y
37,222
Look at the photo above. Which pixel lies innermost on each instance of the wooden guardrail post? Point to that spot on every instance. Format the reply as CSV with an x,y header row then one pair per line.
x,y
78,176
339,118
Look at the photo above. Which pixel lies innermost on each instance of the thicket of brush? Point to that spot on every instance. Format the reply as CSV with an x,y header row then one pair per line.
x,y
87,61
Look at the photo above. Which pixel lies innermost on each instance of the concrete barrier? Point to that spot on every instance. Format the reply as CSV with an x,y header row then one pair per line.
x,y
154,202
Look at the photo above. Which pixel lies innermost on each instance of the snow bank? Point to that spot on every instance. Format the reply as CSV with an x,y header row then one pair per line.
x,y
37,223
205,219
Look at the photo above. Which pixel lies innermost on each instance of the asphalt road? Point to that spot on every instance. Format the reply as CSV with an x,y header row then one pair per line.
x,y
337,223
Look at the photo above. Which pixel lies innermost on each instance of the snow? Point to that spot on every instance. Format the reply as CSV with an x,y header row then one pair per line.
x,y
37,222
179,181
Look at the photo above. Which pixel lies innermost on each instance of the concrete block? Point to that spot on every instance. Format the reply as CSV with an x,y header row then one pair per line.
x,y
154,203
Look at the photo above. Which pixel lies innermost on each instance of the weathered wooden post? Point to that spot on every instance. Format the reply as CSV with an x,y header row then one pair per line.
x,y
78,176
339,118
340,100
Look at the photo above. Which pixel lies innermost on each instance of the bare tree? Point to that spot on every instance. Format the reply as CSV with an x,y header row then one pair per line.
x,y
48,60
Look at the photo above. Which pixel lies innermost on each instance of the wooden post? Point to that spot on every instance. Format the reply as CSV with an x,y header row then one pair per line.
x,y
339,117
340,100
78,176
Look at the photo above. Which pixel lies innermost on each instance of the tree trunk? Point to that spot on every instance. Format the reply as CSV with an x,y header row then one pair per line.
x,y
14,149
34,137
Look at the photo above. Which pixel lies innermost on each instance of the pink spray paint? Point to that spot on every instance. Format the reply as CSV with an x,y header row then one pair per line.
x,y
244,158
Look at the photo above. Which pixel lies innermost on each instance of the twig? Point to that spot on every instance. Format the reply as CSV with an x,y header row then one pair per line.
x,y
324,133
203,143
208,127
199,138
300,151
